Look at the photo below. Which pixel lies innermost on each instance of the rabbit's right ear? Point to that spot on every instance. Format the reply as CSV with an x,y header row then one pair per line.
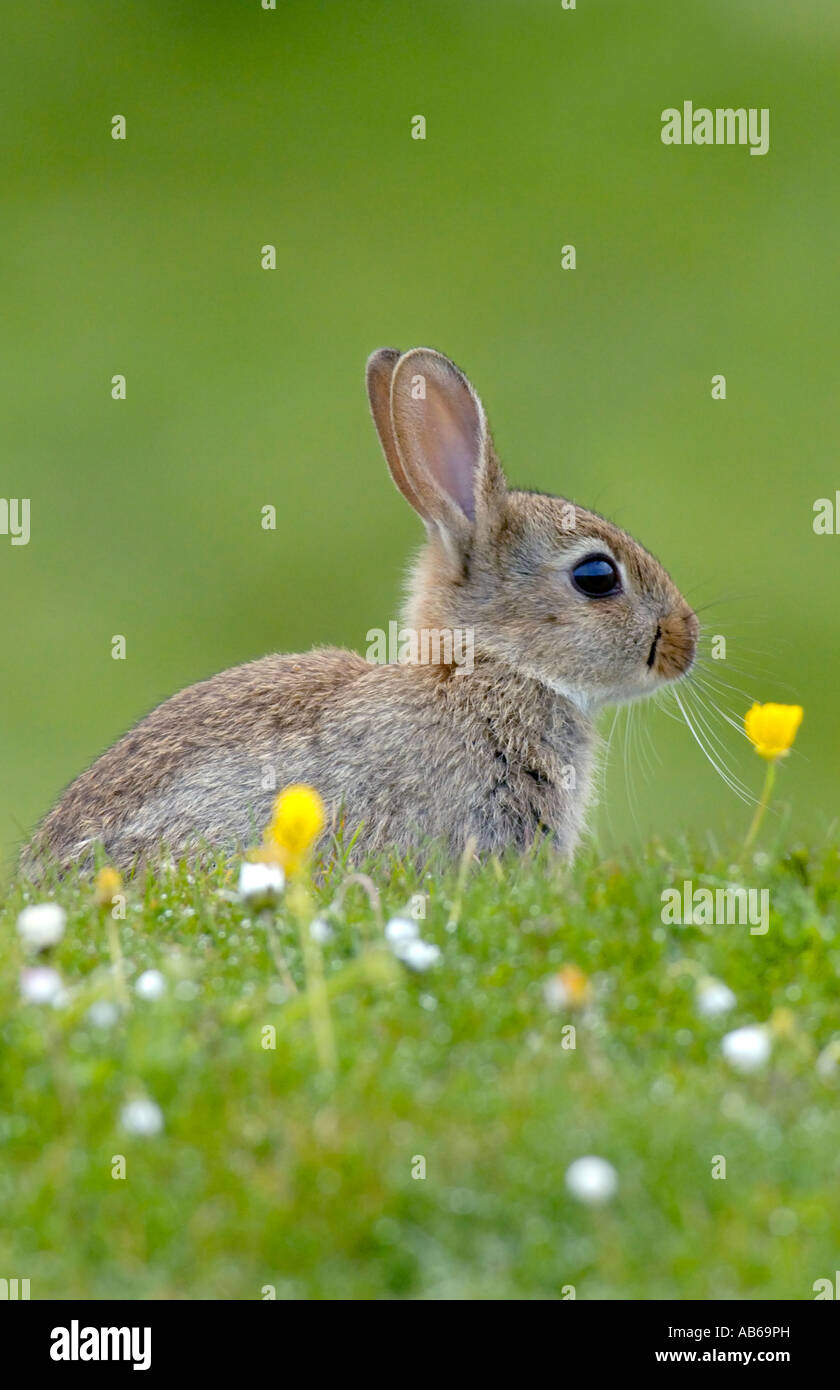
x,y
445,454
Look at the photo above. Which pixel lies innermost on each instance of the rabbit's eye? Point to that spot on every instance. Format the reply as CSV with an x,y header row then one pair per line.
x,y
596,576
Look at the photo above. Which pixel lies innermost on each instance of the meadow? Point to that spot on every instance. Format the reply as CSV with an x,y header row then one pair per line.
x,y
171,1129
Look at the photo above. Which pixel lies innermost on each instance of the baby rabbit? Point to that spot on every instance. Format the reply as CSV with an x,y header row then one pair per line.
x,y
566,613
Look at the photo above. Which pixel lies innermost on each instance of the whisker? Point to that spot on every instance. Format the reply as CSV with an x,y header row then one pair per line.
x,y
651,742
714,683
715,741
735,723
700,707
628,783
706,753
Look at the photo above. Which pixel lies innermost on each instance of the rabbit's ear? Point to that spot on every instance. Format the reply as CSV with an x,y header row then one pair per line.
x,y
442,439
380,369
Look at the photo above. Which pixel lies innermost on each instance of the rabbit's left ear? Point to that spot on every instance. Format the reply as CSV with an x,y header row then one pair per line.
x,y
443,442
380,369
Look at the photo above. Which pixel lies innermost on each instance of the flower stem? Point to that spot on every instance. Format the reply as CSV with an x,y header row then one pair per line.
x,y
463,870
763,803
117,961
316,989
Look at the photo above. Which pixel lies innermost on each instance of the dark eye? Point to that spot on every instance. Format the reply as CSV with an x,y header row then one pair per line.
x,y
596,576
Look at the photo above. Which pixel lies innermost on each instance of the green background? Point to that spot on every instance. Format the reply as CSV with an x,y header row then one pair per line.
x,y
245,387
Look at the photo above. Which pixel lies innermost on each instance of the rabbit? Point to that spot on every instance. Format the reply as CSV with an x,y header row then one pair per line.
x,y
566,613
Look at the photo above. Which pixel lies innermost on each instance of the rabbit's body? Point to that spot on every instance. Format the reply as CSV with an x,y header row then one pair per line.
x,y
404,753
564,613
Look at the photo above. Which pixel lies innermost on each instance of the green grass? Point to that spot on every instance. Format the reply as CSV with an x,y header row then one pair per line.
x,y
271,1171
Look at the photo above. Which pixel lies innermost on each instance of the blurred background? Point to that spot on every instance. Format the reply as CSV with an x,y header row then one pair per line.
x,y
245,387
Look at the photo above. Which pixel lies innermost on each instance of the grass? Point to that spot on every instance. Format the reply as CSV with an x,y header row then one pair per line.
x,y
271,1171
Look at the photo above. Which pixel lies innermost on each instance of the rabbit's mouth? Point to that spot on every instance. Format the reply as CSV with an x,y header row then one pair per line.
x,y
674,645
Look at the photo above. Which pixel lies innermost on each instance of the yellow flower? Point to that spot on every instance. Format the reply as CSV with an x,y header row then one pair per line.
x,y
108,884
772,728
295,825
577,985
569,988
783,1023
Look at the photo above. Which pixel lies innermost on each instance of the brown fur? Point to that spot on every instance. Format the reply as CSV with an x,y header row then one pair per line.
x,y
406,753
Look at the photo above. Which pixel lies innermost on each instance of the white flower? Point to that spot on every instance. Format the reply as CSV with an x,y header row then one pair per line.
x,y
555,993
592,1180
828,1062
260,883
747,1049
400,931
320,930
142,1117
150,985
419,955
41,925
403,936
40,985
103,1014
714,997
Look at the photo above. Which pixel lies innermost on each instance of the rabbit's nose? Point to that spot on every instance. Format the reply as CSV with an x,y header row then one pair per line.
x,y
674,645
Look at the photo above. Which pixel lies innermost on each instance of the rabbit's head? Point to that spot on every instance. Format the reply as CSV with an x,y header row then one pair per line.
x,y
551,590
